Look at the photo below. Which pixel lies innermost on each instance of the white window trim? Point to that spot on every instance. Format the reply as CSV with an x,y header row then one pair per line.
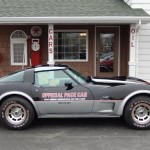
x,y
18,40
87,49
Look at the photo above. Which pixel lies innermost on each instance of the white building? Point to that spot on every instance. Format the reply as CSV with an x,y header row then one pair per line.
x,y
143,44
97,37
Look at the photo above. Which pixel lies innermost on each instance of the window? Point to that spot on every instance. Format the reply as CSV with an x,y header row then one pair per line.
x,y
17,77
71,46
18,46
52,78
107,52
77,76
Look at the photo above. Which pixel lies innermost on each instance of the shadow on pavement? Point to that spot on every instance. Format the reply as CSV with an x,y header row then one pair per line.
x,y
82,122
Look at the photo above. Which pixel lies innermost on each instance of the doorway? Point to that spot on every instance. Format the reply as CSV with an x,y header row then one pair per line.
x,y
107,51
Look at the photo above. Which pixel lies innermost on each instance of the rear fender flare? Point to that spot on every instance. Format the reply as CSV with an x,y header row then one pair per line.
x,y
23,95
120,109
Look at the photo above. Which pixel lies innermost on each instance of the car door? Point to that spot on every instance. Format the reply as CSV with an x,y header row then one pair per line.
x,y
52,96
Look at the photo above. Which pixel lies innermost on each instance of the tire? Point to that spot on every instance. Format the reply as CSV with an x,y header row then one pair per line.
x,y
137,112
16,113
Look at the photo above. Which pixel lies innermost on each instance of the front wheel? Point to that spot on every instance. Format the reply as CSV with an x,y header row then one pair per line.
x,y
137,112
16,113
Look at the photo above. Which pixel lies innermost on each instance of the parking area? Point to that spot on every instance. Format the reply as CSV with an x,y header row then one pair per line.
x,y
75,134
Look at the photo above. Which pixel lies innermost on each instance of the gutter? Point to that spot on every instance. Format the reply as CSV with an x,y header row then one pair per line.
x,y
74,20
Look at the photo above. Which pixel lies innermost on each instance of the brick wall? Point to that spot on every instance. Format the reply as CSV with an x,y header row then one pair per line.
x,y
86,68
6,31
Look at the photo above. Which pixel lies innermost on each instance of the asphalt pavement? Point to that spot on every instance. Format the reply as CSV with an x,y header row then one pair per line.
x,y
75,134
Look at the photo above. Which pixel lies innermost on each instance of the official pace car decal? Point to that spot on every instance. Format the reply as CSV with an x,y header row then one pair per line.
x,y
67,96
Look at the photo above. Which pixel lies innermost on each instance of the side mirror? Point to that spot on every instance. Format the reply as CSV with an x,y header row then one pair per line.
x,y
88,79
68,85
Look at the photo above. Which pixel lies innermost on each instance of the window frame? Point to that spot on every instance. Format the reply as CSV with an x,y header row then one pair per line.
x,y
87,48
18,41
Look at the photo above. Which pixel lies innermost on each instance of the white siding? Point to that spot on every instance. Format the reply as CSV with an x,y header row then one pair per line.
x,y
144,4
136,1
144,53
143,41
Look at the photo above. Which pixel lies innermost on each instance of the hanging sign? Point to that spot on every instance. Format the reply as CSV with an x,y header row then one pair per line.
x,y
132,33
36,31
133,43
50,44
133,50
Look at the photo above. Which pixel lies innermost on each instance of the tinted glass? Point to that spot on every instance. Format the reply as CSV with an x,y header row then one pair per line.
x,y
107,52
18,77
77,76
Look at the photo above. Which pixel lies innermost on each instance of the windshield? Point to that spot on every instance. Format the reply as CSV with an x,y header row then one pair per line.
x,y
17,76
77,76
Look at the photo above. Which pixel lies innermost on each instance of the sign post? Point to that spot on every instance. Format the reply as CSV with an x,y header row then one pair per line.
x,y
51,44
133,50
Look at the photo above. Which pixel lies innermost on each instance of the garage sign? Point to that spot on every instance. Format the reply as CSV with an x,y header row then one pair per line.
x,y
50,44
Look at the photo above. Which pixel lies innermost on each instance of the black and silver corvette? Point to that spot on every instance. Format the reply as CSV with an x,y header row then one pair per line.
x,y
60,91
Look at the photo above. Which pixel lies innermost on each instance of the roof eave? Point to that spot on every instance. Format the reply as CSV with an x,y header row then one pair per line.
x,y
74,20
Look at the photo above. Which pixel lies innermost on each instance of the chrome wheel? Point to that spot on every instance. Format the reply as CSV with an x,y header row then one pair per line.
x,y
141,113
15,114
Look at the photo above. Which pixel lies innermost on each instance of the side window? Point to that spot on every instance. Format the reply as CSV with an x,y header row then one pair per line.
x,y
52,78
16,77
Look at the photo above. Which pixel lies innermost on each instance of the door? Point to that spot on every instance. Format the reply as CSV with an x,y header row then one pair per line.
x,y
53,97
107,51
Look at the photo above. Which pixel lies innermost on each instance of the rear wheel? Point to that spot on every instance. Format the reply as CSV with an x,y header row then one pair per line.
x,y
16,113
137,112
